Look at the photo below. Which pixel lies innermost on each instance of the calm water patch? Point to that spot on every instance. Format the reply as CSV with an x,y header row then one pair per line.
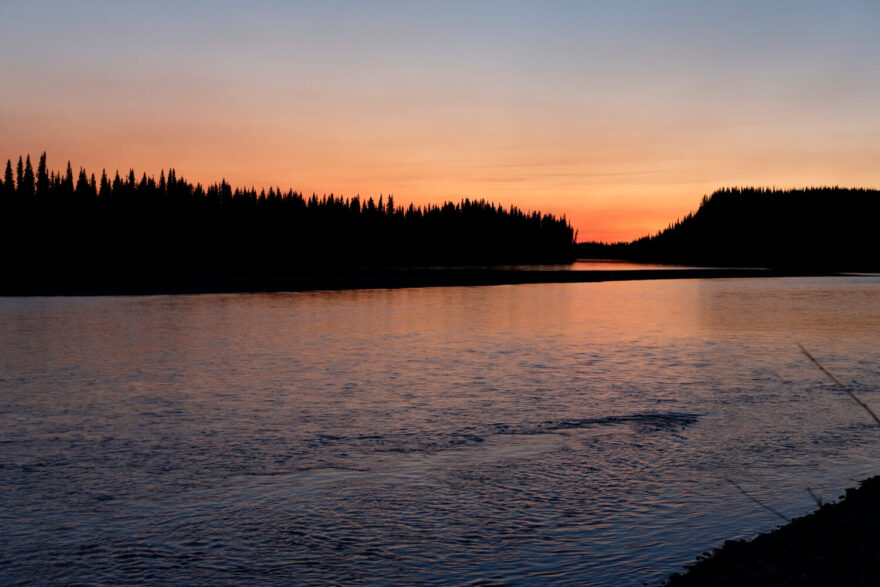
x,y
561,433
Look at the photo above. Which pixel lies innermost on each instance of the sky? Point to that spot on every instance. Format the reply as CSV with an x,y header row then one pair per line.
x,y
619,114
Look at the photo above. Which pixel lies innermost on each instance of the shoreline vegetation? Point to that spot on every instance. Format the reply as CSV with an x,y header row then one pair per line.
x,y
820,228
75,227
837,544
71,234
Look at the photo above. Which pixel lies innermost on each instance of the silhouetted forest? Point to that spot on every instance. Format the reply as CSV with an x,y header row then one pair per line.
x,y
827,228
73,224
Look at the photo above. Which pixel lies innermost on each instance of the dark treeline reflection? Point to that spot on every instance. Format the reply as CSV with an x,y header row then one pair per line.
x,y
75,224
813,228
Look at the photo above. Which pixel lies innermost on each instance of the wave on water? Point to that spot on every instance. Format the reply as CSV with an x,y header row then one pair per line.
x,y
650,421
407,442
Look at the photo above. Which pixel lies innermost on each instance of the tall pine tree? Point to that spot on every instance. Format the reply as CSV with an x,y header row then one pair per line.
x,y
27,183
19,173
8,181
82,185
105,185
42,177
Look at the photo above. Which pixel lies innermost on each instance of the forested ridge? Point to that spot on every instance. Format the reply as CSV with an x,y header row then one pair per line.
x,y
74,224
822,228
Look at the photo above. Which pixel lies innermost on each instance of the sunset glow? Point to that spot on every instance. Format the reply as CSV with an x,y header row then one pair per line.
x,y
620,115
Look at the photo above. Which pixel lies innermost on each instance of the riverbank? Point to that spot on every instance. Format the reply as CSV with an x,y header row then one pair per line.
x,y
838,544
376,279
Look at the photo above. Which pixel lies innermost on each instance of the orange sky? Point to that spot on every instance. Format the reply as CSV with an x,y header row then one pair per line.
x,y
620,116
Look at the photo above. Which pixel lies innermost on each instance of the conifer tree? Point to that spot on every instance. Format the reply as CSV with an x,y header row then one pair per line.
x,y
8,180
82,185
27,181
105,185
19,173
65,184
117,185
42,177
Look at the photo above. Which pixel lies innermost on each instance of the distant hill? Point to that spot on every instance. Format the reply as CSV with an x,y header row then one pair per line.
x,y
827,228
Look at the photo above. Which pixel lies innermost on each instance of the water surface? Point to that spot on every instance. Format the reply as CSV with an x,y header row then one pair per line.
x,y
562,433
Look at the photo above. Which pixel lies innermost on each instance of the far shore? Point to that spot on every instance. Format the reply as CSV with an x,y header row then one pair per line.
x,y
365,279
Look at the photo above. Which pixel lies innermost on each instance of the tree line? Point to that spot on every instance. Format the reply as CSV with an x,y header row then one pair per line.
x,y
65,223
822,228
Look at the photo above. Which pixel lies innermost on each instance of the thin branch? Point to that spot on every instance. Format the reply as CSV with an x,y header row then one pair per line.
x,y
757,501
815,497
840,385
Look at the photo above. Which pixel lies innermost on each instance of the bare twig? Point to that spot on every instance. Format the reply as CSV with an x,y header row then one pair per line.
x,y
815,497
757,501
840,385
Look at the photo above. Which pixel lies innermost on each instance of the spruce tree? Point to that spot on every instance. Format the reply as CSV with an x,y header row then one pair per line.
x,y
117,185
105,185
8,180
66,184
19,173
27,182
82,185
42,177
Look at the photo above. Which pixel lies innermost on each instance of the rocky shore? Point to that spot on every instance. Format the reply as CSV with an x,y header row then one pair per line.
x,y
838,544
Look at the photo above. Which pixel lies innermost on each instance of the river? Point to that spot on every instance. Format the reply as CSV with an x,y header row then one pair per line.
x,y
555,433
